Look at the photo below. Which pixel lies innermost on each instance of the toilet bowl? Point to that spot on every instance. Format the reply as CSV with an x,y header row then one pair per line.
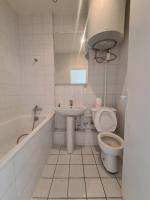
x,y
111,145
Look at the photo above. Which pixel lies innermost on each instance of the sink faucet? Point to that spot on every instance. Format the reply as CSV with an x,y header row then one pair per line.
x,y
70,103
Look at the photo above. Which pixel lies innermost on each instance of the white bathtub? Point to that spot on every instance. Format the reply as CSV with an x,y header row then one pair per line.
x,y
21,165
12,129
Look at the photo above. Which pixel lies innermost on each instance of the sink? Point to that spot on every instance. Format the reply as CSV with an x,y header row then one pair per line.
x,y
70,112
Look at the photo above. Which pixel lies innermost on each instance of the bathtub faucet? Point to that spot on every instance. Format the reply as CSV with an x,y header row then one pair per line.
x,y
36,108
35,118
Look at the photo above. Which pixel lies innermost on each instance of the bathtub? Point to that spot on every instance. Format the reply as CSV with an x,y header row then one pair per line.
x,y
21,164
12,129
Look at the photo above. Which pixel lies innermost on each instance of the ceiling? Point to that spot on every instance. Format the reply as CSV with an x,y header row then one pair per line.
x,y
30,7
64,43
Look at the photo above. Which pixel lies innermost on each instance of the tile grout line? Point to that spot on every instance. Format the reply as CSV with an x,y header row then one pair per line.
x,y
118,182
53,175
84,177
100,175
84,174
107,198
68,178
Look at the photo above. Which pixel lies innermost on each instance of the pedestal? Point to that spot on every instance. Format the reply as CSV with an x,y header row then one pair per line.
x,y
70,134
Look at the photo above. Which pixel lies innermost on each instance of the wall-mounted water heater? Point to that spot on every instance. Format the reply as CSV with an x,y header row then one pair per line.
x,y
106,19
105,23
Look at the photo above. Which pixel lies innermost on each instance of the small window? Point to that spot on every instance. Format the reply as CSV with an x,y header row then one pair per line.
x,y
78,76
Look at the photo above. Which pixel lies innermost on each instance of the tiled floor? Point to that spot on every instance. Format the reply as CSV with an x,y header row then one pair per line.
x,y
80,175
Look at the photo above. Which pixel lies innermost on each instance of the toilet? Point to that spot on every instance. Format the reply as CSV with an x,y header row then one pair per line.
x,y
111,145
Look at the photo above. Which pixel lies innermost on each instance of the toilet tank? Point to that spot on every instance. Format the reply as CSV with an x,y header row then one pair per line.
x,y
105,23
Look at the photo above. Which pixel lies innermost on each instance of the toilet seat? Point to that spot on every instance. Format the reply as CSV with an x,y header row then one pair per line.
x,y
105,120
110,143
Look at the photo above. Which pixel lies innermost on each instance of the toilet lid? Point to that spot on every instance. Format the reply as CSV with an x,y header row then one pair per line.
x,y
105,120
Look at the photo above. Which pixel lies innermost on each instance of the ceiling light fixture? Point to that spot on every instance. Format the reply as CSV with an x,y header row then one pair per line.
x,y
55,1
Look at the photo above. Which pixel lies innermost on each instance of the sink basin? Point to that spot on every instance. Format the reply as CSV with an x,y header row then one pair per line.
x,y
70,111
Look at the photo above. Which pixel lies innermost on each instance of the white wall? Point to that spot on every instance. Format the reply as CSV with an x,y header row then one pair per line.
x,y
86,95
95,87
64,62
67,24
22,83
136,176
37,79
10,71
122,75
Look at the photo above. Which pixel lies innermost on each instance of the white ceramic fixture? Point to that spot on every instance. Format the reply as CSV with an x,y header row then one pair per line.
x,y
111,145
70,112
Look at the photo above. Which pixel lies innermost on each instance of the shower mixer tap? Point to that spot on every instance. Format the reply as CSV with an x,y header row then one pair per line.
x,y
35,118
36,108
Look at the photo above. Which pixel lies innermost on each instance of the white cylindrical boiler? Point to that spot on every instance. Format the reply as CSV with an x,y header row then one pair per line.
x,y
105,23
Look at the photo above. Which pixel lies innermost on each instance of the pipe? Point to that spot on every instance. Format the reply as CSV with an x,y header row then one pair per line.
x,y
21,137
105,82
108,55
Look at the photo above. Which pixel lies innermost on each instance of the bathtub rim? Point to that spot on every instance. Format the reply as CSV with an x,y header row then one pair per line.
x,y
9,155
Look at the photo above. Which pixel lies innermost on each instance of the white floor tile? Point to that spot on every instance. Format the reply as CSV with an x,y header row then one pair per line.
x,y
111,187
38,199
120,181
88,159
76,188
98,159
76,171
63,151
48,171
94,188
76,159
59,188
103,173
91,171
87,150
99,199
114,199
64,159
76,185
77,150
54,151
52,159
96,150
42,188
62,171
